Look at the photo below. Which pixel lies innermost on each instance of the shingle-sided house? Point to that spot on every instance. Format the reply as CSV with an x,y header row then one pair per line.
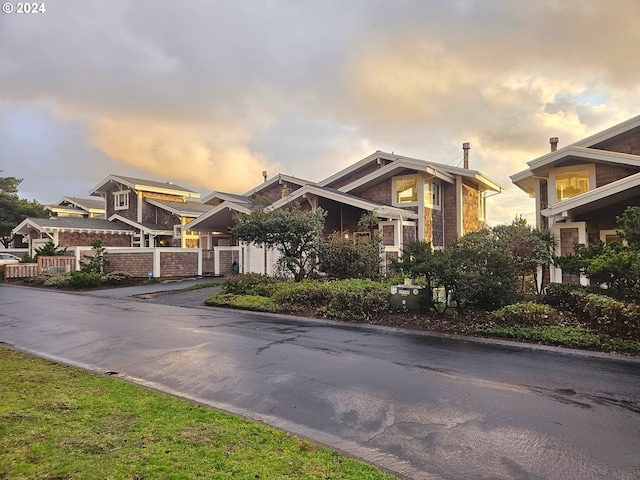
x,y
414,199
156,211
581,188
139,213
70,231
77,207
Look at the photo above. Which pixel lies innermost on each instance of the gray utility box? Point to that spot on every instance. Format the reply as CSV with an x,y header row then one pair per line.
x,y
406,297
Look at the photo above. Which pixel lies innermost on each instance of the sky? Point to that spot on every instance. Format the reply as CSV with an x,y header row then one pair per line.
x,y
209,94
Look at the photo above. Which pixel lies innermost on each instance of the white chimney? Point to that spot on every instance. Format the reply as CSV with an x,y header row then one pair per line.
x,y
554,143
264,175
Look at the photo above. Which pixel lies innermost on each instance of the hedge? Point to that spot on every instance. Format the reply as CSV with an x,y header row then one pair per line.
x,y
600,312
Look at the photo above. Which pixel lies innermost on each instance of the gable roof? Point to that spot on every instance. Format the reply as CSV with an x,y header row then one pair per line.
x,y
583,150
80,206
217,218
146,227
352,200
142,185
394,164
69,224
278,178
224,196
182,209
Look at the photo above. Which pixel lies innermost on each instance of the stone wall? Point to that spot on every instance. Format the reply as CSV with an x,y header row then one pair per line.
x,y
133,263
178,264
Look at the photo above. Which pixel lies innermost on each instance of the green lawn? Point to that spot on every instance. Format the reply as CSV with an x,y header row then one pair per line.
x,y
59,423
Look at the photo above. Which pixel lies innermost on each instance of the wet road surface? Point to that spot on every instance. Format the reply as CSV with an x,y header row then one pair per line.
x,y
417,405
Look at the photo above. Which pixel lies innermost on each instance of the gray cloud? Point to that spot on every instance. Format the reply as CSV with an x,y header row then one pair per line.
x,y
232,88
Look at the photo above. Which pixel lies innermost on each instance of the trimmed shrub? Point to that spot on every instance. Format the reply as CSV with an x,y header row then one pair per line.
x,y
304,294
257,303
600,312
79,280
250,284
529,313
117,278
356,300
57,280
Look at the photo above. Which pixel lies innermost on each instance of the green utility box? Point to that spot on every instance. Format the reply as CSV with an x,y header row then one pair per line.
x,y
406,297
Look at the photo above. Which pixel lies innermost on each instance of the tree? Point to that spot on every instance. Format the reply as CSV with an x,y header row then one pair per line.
x,y
617,266
528,247
13,209
50,249
295,233
97,262
420,261
343,257
480,272
629,225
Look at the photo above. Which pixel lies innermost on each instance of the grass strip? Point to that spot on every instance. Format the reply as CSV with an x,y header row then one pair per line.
x,y
57,422
561,335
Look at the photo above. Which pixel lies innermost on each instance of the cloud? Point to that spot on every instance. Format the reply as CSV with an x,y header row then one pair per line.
x,y
214,161
211,93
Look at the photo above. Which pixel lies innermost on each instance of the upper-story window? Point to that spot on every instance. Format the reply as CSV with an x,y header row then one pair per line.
x,y
571,183
121,200
406,190
482,206
432,195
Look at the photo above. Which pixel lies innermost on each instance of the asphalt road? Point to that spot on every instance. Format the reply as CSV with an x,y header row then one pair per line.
x,y
420,406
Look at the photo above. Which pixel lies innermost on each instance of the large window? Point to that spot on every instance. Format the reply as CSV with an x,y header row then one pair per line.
x,y
406,190
571,183
121,200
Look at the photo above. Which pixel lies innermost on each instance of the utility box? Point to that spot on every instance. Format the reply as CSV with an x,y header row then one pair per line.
x,y
406,297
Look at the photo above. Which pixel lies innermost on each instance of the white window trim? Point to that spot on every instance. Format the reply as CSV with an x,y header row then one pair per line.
x,y
117,194
177,231
551,186
394,190
429,203
482,206
604,233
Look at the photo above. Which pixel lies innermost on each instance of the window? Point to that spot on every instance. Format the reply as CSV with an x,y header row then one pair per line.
x,y
571,183
432,196
482,206
121,200
406,190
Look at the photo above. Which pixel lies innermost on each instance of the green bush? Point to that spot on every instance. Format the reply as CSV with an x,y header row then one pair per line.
x,y
600,312
79,280
250,284
561,335
117,278
57,280
304,294
246,302
529,313
356,300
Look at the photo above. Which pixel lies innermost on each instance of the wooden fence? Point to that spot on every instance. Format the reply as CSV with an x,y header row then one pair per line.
x,y
44,265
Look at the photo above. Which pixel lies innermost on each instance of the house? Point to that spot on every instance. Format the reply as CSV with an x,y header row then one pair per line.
x,y
156,211
581,188
77,207
70,231
414,199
